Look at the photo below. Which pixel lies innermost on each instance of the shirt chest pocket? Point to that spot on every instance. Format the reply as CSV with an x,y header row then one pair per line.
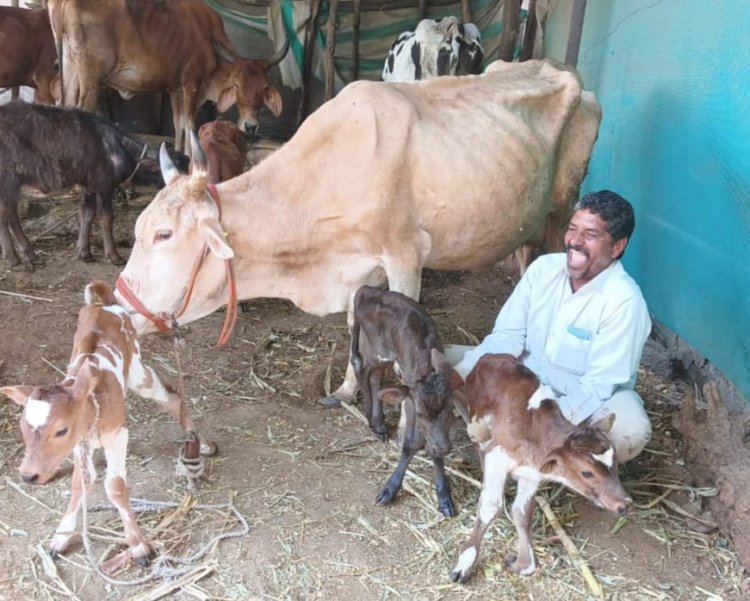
x,y
573,353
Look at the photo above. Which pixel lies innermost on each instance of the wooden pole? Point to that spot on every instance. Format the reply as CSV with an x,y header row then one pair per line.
x,y
576,28
511,10
328,65
423,9
466,10
529,33
310,28
356,19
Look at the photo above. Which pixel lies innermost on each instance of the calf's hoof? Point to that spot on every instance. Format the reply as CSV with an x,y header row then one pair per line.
x,y
53,554
331,401
524,568
85,256
465,565
116,259
386,496
447,508
381,432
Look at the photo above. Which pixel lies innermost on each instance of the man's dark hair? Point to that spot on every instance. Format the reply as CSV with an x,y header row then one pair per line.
x,y
613,209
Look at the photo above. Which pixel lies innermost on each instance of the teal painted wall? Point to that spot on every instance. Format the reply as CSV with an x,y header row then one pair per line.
x,y
673,78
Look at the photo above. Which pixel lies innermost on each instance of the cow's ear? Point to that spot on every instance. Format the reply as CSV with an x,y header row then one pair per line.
x,y
227,98
17,394
549,466
604,424
213,234
393,396
272,99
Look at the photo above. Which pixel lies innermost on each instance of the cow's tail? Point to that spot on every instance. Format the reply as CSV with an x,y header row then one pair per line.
x,y
98,290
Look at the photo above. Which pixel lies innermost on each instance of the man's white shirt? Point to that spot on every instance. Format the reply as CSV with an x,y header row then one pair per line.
x,y
584,345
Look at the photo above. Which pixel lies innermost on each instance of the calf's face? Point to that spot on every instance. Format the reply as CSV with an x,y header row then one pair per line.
x,y
432,402
587,463
52,424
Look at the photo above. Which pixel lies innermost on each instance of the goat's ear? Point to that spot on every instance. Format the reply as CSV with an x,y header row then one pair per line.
x,y
17,394
393,396
213,234
604,424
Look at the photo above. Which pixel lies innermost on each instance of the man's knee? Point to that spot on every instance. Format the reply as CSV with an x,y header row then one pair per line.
x,y
631,429
455,352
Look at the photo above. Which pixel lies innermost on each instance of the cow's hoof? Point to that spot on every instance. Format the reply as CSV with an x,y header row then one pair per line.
x,y
116,259
53,554
143,561
381,432
86,256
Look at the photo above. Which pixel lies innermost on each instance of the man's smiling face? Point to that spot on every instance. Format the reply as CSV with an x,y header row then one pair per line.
x,y
590,247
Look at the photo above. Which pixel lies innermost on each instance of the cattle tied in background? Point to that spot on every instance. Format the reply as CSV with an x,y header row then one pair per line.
x,y
51,149
445,47
381,174
179,47
520,432
225,148
391,329
27,51
86,410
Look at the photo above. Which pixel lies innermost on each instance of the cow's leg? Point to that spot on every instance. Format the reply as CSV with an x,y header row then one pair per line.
x,y
67,526
104,209
116,487
87,209
175,100
7,209
412,441
24,245
496,468
442,488
348,389
523,511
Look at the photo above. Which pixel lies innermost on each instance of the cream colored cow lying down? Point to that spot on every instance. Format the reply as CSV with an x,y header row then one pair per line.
x,y
453,173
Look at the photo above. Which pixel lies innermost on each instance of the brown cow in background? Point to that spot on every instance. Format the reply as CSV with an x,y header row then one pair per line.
x,y
152,46
27,51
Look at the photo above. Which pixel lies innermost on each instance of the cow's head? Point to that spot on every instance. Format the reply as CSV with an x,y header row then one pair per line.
x,y
426,406
170,235
249,87
587,463
54,420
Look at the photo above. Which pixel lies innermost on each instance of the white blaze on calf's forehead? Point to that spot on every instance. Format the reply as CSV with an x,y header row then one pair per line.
x,y
607,458
37,412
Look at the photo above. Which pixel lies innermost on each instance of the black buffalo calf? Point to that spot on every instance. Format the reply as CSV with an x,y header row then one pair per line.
x,y
52,149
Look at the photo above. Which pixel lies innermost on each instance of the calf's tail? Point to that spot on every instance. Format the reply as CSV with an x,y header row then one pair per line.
x,y
98,290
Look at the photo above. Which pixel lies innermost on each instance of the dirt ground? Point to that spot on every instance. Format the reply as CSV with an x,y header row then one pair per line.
x,y
305,478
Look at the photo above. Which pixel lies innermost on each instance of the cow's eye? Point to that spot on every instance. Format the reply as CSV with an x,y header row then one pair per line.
x,y
162,235
60,433
587,474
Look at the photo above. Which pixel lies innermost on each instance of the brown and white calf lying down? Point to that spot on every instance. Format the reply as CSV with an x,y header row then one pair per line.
x,y
521,433
392,329
87,410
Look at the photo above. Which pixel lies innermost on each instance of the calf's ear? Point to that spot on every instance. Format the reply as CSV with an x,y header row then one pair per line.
x,y
604,424
272,100
213,234
393,396
17,394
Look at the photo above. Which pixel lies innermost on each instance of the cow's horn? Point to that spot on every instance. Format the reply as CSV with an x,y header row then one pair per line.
x,y
168,171
227,54
278,56
199,159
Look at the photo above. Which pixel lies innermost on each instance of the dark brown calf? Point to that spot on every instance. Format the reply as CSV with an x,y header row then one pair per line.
x,y
391,329
52,149
224,147
87,410
521,433
27,51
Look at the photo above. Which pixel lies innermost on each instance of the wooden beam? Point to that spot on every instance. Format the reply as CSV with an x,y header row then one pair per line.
x,y
529,33
356,19
311,28
511,22
423,6
328,64
466,10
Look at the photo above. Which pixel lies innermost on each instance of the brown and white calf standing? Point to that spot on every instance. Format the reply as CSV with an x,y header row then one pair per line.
x,y
522,433
391,329
87,411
